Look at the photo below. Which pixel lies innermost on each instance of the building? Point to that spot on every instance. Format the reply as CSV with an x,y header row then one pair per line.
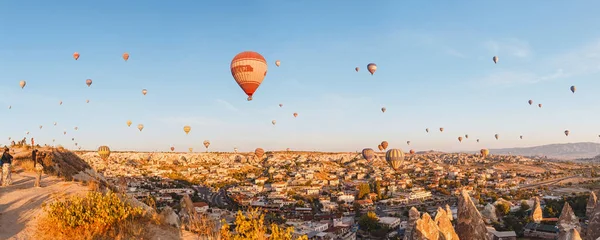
x,y
390,222
503,235
538,230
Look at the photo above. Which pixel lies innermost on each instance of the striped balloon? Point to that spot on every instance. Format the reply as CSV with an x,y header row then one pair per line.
x,y
394,157
259,152
104,152
368,154
249,70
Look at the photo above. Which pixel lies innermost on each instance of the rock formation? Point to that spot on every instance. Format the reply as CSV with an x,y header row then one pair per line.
x,y
589,208
572,234
536,212
449,212
470,225
593,228
426,229
444,225
413,216
566,222
489,212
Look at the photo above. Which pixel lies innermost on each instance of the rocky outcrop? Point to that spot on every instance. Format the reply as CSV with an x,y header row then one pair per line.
x,y
170,216
413,216
489,212
567,222
593,228
589,208
444,225
449,212
470,225
536,212
426,229
572,234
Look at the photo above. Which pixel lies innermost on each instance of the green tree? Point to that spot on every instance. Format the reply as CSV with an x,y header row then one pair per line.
x,y
378,189
502,208
369,222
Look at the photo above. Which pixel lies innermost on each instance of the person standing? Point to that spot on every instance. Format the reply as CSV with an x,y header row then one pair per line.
x,y
38,162
6,165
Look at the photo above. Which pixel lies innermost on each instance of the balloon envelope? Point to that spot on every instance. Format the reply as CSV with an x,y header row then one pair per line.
x,y
368,154
248,70
372,67
104,152
394,157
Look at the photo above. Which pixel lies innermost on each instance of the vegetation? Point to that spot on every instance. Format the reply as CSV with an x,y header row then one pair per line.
x,y
95,216
369,222
252,227
578,203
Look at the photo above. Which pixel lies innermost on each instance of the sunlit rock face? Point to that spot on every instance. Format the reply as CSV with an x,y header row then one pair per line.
x,y
536,213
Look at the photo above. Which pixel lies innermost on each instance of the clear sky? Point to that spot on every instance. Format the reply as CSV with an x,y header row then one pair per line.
x,y
434,58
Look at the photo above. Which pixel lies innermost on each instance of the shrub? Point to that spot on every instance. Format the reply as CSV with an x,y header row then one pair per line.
x,y
95,216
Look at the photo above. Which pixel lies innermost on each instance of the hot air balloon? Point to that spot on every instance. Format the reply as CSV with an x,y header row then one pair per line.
x,y
273,122
368,154
478,140
249,70
259,152
295,114
280,105
88,82
530,102
104,152
442,129
79,148
60,103
567,133
412,151
76,128
22,83
75,144
380,147
495,58
187,129
540,105
40,126
466,135
172,149
394,157
383,109
54,123
144,91
573,89
496,136
72,139
27,132
426,129
64,132
9,107
460,139
235,150
125,56
87,101
140,127
407,142
128,123
76,56
521,137
206,143
372,67
191,149
356,69
277,63
384,144
9,138
484,152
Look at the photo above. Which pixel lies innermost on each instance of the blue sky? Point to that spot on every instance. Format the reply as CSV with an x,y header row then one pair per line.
x,y
434,58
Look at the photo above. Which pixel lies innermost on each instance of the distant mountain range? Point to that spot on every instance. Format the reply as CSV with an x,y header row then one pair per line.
x,y
564,151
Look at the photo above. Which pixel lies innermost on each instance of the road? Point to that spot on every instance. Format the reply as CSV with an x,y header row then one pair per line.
x,y
547,182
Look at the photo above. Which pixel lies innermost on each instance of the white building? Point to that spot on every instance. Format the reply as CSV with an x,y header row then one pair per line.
x,y
390,222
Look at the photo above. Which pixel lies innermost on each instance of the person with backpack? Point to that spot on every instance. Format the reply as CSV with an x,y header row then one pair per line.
x,y
6,167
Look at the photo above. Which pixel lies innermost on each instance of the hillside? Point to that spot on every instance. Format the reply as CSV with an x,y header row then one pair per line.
x,y
565,151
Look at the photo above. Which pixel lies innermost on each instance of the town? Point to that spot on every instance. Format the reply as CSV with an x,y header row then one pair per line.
x,y
342,196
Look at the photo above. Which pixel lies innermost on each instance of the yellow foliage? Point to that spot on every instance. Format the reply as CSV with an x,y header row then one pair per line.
x,y
95,216
251,227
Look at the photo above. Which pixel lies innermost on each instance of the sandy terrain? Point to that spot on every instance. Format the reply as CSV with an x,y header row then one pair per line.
x,y
577,180
21,203
519,168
